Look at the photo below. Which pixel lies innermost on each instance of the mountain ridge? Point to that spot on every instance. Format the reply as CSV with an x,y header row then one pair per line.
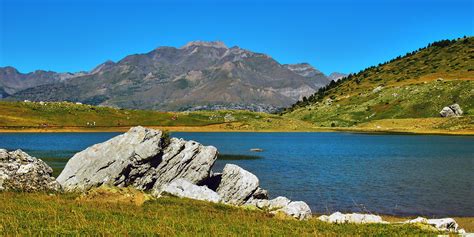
x,y
199,75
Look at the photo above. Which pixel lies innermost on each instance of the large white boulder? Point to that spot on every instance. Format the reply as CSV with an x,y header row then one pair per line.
x,y
142,158
237,185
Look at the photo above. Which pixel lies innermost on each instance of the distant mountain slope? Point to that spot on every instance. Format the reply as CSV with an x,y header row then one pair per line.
x,y
335,76
200,75
308,71
12,81
417,85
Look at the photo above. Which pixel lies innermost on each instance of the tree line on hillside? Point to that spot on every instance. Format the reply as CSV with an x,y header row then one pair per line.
x,y
324,91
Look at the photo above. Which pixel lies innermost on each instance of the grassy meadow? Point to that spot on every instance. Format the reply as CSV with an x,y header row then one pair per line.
x,y
71,214
65,116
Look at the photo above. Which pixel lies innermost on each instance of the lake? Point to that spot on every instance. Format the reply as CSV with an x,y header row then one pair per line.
x,y
383,174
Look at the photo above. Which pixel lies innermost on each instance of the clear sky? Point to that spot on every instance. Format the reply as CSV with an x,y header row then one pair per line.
x,y
340,35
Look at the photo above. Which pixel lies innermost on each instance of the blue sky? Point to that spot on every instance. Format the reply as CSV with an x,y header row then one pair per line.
x,y
338,35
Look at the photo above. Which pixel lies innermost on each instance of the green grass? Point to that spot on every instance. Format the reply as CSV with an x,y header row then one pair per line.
x,y
64,114
65,214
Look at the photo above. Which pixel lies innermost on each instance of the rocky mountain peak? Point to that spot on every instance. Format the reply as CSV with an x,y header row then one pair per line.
x,y
335,76
303,69
213,44
9,70
107,64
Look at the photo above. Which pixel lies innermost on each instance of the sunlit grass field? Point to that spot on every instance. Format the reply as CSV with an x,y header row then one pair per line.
x,y
66,214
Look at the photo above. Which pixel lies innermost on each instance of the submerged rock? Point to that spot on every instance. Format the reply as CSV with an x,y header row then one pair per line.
x,y
355,218
183,188
237,185
142,158
22,172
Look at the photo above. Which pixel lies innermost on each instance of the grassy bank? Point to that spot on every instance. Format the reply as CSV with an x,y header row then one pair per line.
x,y
69,117
27,214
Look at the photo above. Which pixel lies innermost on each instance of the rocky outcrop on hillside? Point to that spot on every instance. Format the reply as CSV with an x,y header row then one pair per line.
x,y
148,160
22,172
453,110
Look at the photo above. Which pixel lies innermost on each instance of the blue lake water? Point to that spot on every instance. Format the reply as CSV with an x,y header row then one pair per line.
x,y
385,174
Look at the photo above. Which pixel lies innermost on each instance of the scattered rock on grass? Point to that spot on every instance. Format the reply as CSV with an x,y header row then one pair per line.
x,y
355,218
443,224
453,110
183,188
22,172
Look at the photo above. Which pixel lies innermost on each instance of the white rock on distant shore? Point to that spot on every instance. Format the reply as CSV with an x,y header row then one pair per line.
x,y
453,110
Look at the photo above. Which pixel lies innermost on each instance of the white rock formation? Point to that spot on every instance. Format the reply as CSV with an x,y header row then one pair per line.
x,y
184,188
443,224
355,218
237,185
22,172
142,158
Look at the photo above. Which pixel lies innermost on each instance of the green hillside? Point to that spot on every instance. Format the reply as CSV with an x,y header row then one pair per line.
x,y
50,115
415,86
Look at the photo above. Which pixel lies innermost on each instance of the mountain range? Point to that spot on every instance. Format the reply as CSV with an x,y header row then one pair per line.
x,y
198,76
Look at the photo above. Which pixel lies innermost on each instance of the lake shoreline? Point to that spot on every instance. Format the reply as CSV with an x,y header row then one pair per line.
x,y
218,128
